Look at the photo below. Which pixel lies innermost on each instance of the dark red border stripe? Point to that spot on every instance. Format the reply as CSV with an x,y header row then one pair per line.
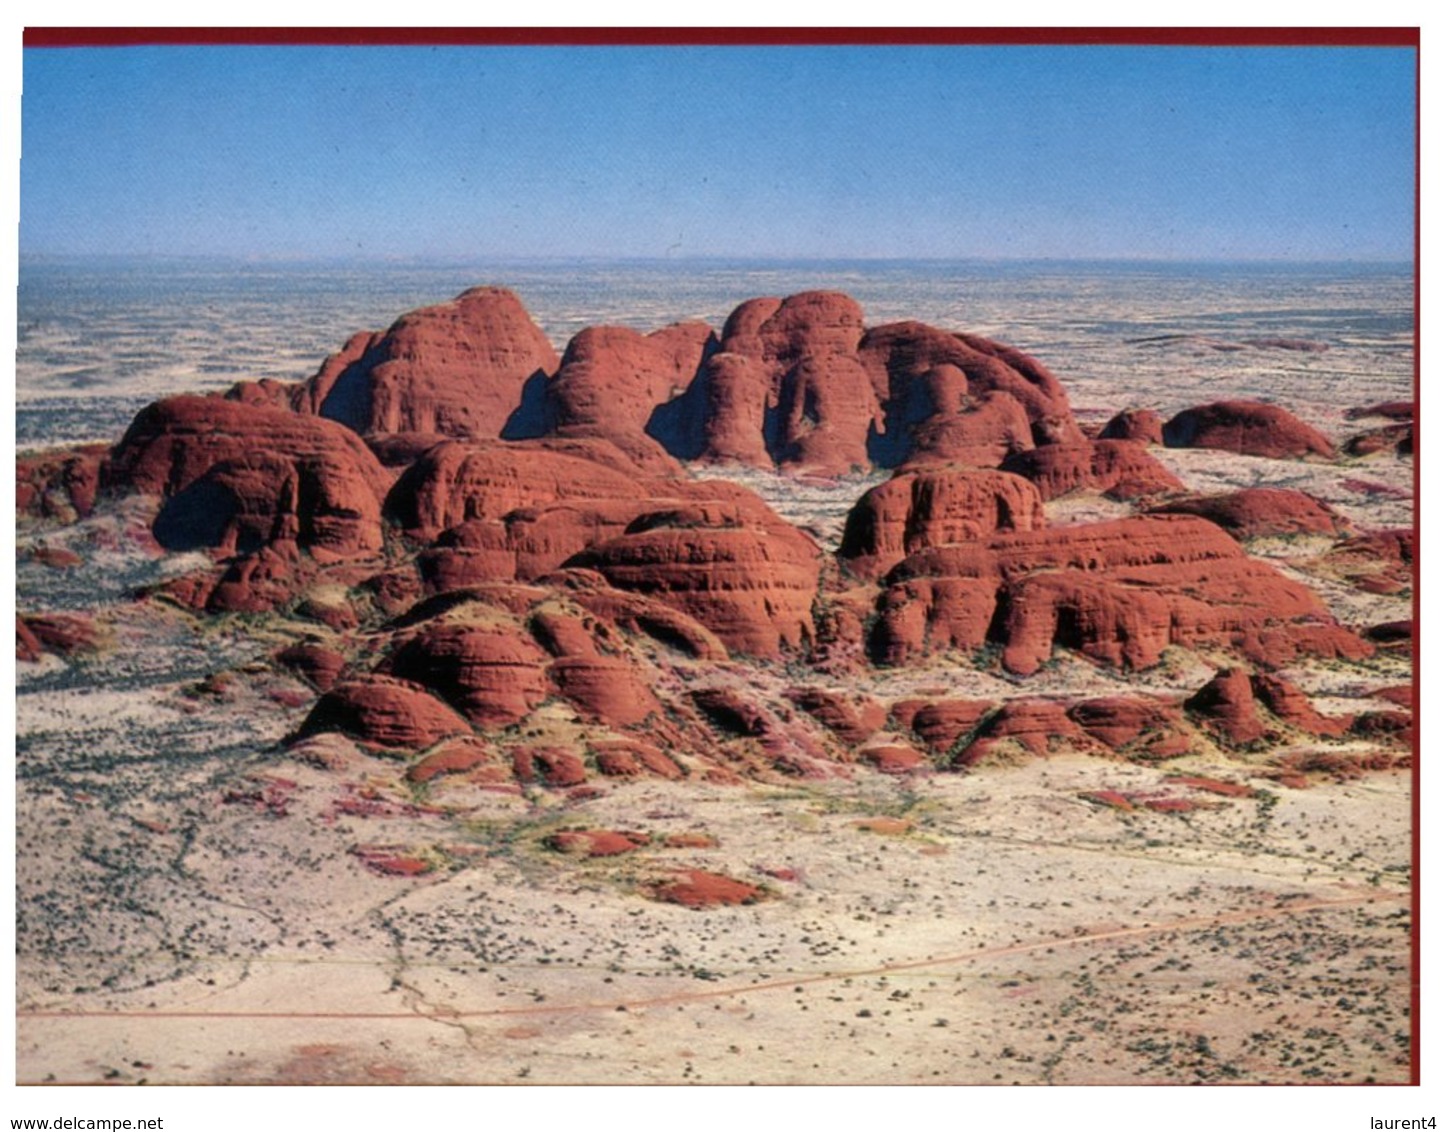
x,y
434,37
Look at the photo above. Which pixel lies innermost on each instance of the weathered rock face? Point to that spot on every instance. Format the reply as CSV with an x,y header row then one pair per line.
x,y
59,484
318,665
1120,469
173,442
899,358
456,369
1139,727
1117,592
551,766
630,758
786,388
385,712
1098,617
941,724
613,380
1399,438
492,673
734,567
1247,428
28,646
1290,704
237,477
530,542
605,690
920,616
915,510
463,755
1392,410
1378,562
1027,725
1227,707
798,383
1261,512
1141,425
852,719
458,483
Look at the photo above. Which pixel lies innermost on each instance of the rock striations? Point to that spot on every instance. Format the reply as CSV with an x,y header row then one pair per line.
x,y
506,569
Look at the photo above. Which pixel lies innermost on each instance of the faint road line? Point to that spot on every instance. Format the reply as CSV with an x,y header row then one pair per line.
x,y
730,992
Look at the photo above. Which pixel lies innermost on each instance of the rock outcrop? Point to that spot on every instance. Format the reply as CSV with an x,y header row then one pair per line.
x,y
734,567
457,369
58,484
1117,592
1141,425
63,634
934,507
458,483
383,711
509,581
1247,428
1119,469
238,478
1262,512
491,673
614,380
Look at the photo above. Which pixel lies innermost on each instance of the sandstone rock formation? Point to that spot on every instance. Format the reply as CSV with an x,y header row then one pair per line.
x,y
613,380
1261,512
456,369
1117,592
383,711
506,579
934,507
1247,428
736,568
1120,469
63,634
492,674
1143,425
59,484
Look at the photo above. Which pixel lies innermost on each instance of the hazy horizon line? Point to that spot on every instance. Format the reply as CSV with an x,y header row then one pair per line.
x,y
454,260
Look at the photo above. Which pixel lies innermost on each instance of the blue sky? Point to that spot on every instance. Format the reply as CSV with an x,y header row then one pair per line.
x,y
1127,152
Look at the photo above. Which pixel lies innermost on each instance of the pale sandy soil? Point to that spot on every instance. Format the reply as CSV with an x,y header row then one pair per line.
x,y
1003,930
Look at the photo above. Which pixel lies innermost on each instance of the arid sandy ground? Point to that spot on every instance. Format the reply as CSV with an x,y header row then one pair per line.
x,y
193,908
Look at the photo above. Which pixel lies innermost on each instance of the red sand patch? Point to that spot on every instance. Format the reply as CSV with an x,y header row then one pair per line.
x,y
1212,785
369,802
595,842
391,861
1112,798
691,841
695,888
